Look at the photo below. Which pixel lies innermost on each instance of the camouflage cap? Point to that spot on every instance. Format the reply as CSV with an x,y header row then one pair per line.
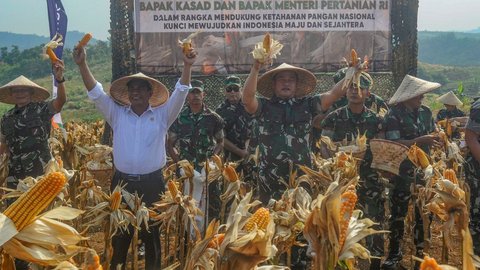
x,y
233,81
365,82
196,84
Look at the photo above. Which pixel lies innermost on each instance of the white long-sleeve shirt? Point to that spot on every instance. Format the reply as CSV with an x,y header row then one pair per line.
x,y
139,141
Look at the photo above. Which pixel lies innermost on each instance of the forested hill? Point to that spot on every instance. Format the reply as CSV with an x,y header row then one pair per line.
x,y
449,48
27,41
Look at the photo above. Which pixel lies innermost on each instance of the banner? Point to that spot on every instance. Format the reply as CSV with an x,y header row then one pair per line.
x,y
57,21
316,34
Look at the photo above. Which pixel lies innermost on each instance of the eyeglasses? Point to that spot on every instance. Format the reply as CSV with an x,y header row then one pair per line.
x,y
232,89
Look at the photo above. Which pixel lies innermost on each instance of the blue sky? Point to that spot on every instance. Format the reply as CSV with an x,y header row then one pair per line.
x,y
30,16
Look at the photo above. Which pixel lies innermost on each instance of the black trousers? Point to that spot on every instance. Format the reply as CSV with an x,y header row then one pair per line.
x,y
150,186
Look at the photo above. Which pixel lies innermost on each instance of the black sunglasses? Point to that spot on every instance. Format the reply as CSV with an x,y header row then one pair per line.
x,y
234,89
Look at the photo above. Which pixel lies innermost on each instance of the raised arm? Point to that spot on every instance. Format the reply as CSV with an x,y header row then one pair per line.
x,y
334,94
176,101
250,88
58,69
80,58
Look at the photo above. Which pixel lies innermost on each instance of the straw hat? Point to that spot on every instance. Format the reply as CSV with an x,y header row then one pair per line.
x,y
119,90
39,93
412,87
387,155
305,84
450,99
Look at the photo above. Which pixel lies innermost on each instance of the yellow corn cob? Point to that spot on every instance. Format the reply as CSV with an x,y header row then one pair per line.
x,y
230,174
24,210
450,175
442,123
341,159
449,130
418,157
260,218
115,199
429,264
218,161
267,42
172,187
354,57
422,158
216,241
349,199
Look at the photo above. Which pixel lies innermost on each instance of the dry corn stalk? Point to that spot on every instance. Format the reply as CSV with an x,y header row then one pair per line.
x,y
267,50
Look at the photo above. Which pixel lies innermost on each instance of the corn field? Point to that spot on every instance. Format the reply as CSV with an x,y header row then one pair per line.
x,y
66,218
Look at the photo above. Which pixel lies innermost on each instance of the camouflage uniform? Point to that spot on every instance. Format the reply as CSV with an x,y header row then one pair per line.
x,y
404,124
238,129
472,177
343,124
284,128
196,135
444,113
372,102
26,131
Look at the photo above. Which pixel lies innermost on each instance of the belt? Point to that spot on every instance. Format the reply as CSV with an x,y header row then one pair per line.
x,y
137,177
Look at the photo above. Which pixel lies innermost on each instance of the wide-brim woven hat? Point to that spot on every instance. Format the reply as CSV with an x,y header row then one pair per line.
x,y
450,99
387,155
119,90
412,87
305,84
39,93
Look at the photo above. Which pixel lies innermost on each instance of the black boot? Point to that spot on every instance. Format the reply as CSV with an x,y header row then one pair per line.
x,y
375,264
395,255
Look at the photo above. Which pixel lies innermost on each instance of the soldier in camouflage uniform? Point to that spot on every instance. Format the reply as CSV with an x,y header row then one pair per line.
x,y
25,128
450,101
196,135
408,122
372,102
238,127
346,123
472,172
284,116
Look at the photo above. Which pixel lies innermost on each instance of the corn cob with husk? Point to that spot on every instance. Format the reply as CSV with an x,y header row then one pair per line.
x,y
355,71
349,200
450,175
51,45
259,220
24,210
186,43
418,157
267,50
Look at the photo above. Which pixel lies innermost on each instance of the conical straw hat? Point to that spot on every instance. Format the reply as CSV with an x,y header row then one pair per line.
x,y
119,90
412,87
450,99
387,155
305,84
39,93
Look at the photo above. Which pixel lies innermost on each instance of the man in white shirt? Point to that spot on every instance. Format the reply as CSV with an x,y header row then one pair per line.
x,y
140,112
